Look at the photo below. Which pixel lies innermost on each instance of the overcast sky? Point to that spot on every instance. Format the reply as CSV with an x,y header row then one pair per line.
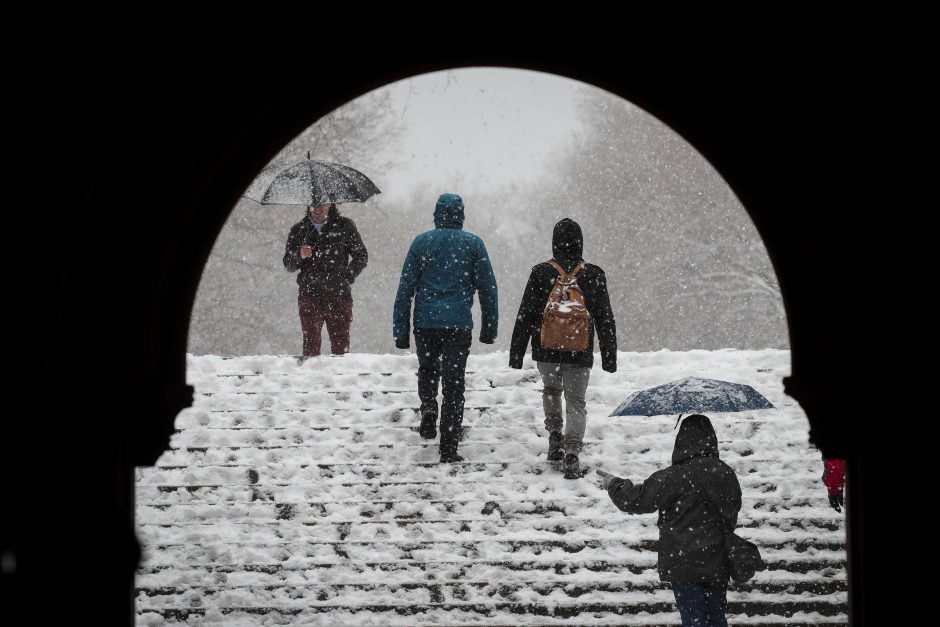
x,y
479,128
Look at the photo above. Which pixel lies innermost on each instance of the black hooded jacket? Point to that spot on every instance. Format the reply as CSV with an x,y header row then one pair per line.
x,y
338,256
567,246
691,536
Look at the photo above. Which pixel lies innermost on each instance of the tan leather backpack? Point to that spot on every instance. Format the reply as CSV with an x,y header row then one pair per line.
x,y
566,322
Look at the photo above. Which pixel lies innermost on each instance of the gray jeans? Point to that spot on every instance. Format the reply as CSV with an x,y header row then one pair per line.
x,y
573,381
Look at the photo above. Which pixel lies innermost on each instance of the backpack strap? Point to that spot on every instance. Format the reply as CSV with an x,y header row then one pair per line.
x,y
557,267
566,276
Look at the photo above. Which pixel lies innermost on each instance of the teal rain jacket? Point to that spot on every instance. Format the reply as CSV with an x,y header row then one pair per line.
x,y
442,270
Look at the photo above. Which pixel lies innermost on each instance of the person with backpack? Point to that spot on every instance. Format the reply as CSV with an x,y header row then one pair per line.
x,y
442,270
565,302
698,499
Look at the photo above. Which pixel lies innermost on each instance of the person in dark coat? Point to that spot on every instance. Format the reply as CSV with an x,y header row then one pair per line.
x,y
442,270
565,372
691,536
329,253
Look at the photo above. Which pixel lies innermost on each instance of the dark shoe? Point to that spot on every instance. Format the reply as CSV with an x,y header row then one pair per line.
x,y
451,458
572,468
555,452
428,428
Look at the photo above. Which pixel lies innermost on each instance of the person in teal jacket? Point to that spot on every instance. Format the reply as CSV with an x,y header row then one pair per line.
x,y
442,270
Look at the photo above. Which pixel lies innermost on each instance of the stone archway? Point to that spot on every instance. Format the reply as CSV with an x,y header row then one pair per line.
x,y
171,144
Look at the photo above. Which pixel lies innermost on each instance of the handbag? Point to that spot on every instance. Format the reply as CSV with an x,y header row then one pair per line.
x,y
741,556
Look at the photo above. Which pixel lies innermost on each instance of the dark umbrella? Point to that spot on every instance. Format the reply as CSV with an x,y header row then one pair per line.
x,y
692,395
310,182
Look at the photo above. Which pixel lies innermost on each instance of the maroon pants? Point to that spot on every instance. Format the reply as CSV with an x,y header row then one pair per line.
x,y
337,314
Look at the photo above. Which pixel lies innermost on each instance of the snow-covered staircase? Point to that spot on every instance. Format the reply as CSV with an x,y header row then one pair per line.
x,y
300,493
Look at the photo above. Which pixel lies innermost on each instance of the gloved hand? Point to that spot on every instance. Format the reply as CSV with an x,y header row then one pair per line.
x,y
837,501
607,479
399,343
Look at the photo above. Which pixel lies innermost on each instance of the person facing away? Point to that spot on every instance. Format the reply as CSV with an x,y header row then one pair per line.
x,y
689,495
328,250
442,270
834,479
563,371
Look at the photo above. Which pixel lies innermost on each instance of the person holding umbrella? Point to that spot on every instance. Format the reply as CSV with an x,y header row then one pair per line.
x,y
698,499
324,246
329,253
442,270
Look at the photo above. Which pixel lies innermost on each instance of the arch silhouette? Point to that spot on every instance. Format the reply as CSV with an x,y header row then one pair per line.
x,y
176,114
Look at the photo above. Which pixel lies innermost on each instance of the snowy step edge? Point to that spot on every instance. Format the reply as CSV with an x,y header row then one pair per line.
x,y
553,608
638,565
641,542
490,504
542,586
450,619
559,574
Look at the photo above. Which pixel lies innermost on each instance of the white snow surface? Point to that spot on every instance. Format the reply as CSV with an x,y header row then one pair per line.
x,y
300,493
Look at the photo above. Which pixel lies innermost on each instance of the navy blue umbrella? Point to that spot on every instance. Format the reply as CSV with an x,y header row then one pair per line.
x,y
692,395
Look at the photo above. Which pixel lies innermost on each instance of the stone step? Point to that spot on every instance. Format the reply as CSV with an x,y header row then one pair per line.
x,y
465,592
406,414
425,452
494,527
541,607
472,508
459,617
332,491
318,554
303,472
785,565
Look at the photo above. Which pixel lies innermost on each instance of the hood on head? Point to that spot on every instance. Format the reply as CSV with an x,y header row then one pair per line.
x,y
448,213
696,438
567,241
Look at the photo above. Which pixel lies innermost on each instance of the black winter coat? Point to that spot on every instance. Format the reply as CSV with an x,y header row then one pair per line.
x,y
566,248
691,536
339,255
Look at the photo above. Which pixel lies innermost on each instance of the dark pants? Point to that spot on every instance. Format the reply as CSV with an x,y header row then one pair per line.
x,y
443,352
337,314
702,604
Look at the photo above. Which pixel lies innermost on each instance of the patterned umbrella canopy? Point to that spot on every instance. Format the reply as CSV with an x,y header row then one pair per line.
x,y
691,395
310,182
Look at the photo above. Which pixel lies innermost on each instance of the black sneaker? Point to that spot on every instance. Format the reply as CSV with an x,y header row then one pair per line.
x,y
555,452
428,428
572,468
451,458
